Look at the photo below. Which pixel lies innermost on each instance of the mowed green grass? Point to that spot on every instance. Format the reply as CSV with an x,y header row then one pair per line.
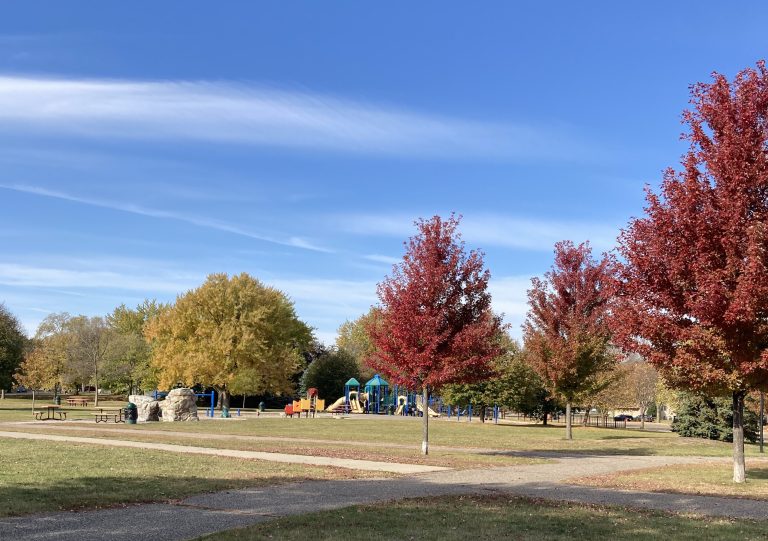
x,y
39,476
492,519
449,433
704,479
437,457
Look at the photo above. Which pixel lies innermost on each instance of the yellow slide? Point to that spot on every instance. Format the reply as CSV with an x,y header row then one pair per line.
x,y
355,406
340,402
430,411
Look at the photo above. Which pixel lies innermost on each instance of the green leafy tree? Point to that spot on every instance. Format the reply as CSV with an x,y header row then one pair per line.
x,y
128,361
229,331
525,392
354,337
12,343
700,416
514,385
329,372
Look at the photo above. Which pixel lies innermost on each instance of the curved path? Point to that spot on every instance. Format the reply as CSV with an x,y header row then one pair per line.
x,y
354,464
210,513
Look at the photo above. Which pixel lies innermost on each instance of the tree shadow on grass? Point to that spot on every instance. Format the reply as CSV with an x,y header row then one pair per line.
x,y
110,491
574,453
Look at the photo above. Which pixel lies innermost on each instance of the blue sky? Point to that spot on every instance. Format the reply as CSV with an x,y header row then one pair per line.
x,y
145,145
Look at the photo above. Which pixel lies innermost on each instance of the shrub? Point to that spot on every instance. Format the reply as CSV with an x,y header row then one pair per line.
x,y
701,416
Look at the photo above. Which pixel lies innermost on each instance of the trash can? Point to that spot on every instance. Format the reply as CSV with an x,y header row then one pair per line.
x,y
225,412
131,413
262,406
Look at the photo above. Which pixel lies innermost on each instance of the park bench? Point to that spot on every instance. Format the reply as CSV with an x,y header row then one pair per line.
x,y
77,401
104,415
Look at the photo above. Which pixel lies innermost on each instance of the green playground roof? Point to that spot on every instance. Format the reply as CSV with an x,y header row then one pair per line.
x,y
352,383
376,381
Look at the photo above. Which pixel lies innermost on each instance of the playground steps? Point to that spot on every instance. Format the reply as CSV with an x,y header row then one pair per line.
x,y
341,408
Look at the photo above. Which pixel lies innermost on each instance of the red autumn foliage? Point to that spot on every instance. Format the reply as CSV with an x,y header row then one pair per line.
x,y
694,298
436,325
566,331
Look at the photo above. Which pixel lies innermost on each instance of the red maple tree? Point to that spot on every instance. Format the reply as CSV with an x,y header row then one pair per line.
x,y
436,325
566,332
694,297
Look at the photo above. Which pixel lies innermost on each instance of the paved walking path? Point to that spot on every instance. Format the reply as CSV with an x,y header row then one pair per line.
x,y
209,513
368,465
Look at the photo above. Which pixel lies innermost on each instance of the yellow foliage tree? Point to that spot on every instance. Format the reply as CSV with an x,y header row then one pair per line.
x,y
353,337
233,334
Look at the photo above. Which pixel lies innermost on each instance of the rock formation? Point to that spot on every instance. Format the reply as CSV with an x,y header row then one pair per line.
x,y
147,407
179,405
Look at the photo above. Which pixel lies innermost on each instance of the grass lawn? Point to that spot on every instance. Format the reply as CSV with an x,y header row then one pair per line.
x,y
450,459
404,431
448,433
37,476
707,479
493,518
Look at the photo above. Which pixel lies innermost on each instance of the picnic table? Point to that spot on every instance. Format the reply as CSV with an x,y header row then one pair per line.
x,y
50,412
77,401
103,415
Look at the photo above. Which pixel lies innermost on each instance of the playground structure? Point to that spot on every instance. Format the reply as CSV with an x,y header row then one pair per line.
x,y
420,407
311,404
351,401
377,399
377,391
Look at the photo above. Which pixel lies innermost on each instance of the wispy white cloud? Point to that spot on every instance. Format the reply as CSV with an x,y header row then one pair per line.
x,y
326,303
252,115
389,260
346,297
159,280
209,223
485,230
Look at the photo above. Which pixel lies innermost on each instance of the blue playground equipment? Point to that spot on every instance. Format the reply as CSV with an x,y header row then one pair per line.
x,y
378,392
351,385
157,395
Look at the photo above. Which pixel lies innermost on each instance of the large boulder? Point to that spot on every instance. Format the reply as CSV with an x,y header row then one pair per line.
x,y
180,405
148,408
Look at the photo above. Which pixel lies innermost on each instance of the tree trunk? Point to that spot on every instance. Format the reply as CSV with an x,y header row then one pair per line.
x,y
585,418
243,401
96,399
739,469
642,418
568,427
482,414
544,418
33,401
425,423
